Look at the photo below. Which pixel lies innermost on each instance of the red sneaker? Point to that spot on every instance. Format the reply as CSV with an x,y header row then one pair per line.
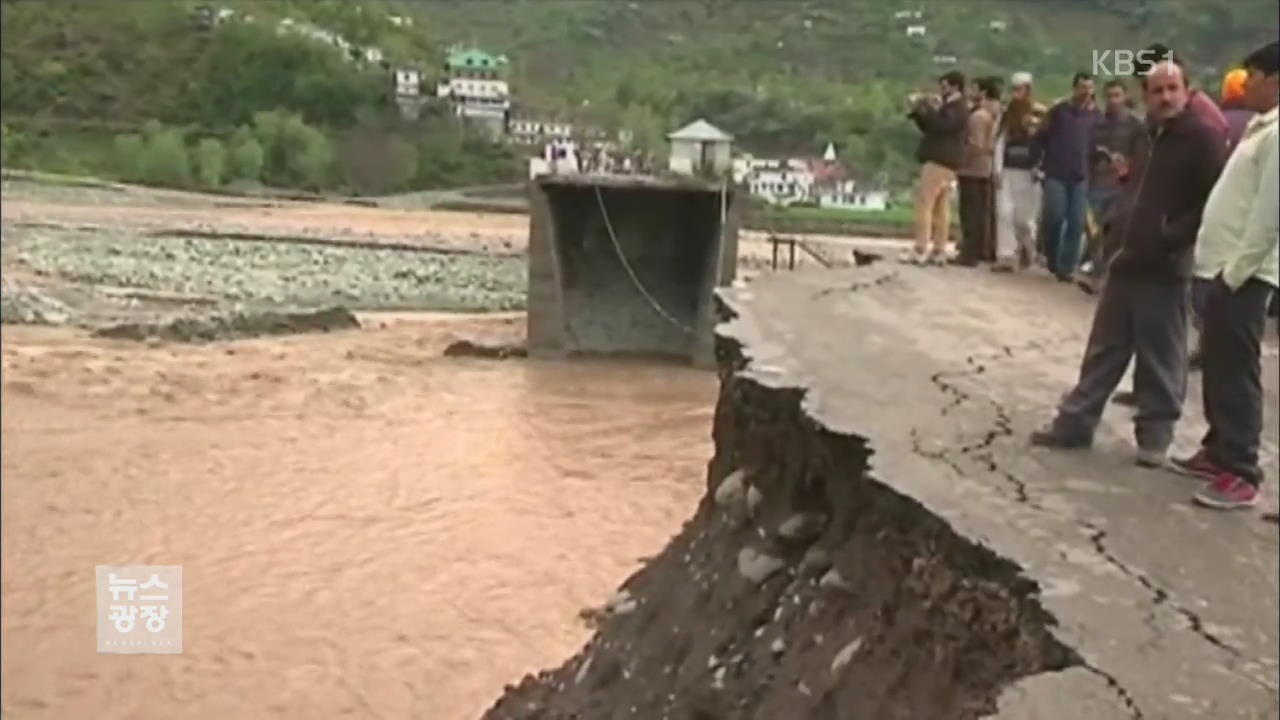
x,y
1228,492
1197,466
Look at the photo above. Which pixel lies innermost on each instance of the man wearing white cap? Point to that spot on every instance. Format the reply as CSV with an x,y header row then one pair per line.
x,y
1020,86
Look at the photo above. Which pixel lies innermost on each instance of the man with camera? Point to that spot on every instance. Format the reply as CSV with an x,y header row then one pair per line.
x,y
943,122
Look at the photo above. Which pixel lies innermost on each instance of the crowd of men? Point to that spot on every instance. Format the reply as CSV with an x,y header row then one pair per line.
x,y
1179,205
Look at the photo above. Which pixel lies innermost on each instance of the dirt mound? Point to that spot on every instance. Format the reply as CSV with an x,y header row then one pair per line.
x,y
467,348
802,588
234,325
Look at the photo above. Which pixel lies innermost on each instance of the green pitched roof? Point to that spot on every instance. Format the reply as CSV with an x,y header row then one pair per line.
x,y
474,59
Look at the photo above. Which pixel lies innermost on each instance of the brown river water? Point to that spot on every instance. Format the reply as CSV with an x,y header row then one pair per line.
x,y
365,529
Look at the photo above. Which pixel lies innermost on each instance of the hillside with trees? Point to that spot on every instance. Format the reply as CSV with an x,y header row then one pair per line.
x,y
127,89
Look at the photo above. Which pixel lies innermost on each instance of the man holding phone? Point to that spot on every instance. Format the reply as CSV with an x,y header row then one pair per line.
x,y
1118,138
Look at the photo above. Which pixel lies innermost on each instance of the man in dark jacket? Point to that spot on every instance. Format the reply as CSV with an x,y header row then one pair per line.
x,y
1142,313
943,122
1066,137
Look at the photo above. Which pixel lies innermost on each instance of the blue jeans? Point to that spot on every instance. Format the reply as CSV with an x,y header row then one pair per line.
x,y
1062,221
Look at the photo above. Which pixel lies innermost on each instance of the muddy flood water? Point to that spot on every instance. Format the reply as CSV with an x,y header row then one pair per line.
x,y
366,529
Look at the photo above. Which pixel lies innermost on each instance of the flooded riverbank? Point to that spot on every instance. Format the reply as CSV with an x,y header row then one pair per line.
x,y
366,529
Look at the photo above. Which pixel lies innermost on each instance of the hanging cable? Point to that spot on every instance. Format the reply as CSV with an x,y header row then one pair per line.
x,y
627,266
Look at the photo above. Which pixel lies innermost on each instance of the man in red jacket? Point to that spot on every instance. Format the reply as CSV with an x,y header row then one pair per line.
x,y
1142,313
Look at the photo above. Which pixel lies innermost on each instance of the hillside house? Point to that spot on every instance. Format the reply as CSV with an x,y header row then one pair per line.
x,y
476,88
700,148
531,131
916,31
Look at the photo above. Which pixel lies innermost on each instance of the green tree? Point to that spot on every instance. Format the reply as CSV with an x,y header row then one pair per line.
x,y
245,156
164,161
211,160
127,154
308,155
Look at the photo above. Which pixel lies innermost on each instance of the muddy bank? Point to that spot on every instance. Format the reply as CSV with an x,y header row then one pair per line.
x,y
234,326
801,588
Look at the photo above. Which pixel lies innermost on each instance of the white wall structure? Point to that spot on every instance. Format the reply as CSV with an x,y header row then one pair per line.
x,y
700,147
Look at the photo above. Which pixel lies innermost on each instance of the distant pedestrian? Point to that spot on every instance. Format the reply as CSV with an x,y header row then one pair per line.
x,y
1238,255
1118,138
1017,156
1238,114
943,122
1066,137
1141,312
975,172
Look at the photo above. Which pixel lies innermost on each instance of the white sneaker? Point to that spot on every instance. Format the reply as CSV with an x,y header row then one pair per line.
x,y
938,258
911,257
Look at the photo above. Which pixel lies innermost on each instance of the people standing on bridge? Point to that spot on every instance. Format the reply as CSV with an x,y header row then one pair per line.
x,y
1066,137
943,122
1117,140
1141,312
1238,258
1017,156
975,172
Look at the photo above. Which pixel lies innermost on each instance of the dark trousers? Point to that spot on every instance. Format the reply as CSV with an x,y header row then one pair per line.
x,y
1231,347
975,218
1100,202
1146,322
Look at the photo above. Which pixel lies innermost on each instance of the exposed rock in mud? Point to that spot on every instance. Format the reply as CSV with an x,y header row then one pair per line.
x,y
235,325
26,305
467,348
837,597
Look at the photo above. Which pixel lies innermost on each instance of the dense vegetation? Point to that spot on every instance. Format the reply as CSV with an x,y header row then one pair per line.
x,y
81,80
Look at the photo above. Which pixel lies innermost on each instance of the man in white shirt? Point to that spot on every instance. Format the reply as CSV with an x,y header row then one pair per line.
x,y
1238,252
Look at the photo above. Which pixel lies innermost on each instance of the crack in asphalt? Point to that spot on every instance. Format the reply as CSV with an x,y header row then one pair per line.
x,y
981,452
858,285
1125,696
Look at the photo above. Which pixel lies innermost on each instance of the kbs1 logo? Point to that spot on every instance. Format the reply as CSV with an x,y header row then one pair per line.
x,y
1121,62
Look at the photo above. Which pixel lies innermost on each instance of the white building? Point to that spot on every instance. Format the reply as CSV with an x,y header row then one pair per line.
x,y
530,131
408,82
998,25
476,88
916,31
847,196
699,148
780,184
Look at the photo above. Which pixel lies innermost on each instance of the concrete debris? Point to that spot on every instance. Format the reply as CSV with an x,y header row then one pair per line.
x,y
845,656
621,603
730,491
833,579
754,498
778,646
757,566
802,527
815,559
